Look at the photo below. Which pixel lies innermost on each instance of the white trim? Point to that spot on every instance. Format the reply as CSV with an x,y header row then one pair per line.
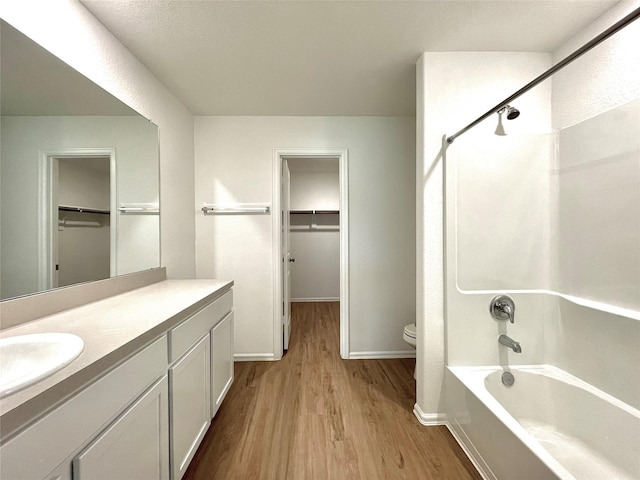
x,y
345,344
429,419
343,159
382,355
316,299
47,211
46,193
254,357
470,451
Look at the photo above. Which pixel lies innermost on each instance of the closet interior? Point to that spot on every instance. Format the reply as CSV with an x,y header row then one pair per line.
x,y
84,220
315,230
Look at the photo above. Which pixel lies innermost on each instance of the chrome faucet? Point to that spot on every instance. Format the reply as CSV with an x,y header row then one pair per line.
x,y
509,342
503,307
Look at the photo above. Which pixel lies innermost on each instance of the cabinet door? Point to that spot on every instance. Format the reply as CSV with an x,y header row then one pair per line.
x,y
190,392
135,445
222,350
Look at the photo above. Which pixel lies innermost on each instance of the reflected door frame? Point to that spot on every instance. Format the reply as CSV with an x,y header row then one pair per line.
x,y
48,209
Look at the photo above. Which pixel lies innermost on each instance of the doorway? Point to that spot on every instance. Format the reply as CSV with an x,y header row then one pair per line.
x,y
337,219
77,216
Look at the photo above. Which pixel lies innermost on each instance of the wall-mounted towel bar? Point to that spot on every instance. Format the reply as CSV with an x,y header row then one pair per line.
x,y
147,209
70,208
236,209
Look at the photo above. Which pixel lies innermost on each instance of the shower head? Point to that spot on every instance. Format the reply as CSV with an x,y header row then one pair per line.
x,y
511,112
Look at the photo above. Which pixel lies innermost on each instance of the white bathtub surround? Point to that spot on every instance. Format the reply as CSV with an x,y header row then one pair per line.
x,y
554,223
454,87
533,425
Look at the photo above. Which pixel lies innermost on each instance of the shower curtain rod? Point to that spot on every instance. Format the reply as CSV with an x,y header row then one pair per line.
x,y
619,25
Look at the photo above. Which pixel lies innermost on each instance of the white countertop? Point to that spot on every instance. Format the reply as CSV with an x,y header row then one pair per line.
x,y
112,329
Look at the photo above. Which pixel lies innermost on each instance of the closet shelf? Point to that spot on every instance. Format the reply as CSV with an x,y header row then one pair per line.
x,y
315,212
70,208
327,220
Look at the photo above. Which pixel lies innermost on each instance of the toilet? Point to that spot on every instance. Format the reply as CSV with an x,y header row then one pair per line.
x,y
409,336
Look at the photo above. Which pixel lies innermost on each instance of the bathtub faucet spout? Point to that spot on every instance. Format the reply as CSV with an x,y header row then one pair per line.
x,y
509,342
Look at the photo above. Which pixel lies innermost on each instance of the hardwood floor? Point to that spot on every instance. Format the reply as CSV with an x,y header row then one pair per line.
x,y
314,416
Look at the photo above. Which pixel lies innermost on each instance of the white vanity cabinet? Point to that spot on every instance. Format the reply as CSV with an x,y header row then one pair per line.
x,y
46,449
190,378
144,414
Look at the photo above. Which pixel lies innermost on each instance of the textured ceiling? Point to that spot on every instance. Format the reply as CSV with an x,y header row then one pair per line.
x,y
322,57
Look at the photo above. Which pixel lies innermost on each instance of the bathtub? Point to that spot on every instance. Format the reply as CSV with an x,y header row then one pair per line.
x,y
548,425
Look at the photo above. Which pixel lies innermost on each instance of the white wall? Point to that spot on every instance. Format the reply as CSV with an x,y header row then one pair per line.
x,y
607,76
234,159
23,138
81,184
453,89
315,190
69,31
315,239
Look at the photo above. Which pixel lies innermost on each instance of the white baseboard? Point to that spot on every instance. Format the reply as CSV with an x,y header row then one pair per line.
x,y
316,299
254,357
381,355
429,419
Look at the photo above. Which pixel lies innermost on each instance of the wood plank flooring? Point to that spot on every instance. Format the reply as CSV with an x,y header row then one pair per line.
x,y
314,416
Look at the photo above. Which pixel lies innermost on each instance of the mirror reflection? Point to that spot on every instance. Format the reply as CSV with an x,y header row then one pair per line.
x,y
79,176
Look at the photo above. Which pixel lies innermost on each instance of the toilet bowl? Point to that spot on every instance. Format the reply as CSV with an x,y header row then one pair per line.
x,y
409,336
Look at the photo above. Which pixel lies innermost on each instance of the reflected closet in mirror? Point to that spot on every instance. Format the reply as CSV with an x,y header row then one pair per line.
x,y
79,173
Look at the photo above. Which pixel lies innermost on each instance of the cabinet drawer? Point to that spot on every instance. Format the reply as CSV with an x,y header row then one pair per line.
x,y
51,439
191,330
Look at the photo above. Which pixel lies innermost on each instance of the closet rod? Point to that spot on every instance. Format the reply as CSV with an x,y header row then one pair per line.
x,y
69,208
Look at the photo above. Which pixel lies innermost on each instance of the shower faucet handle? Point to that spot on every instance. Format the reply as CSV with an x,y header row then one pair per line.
x,y
503,307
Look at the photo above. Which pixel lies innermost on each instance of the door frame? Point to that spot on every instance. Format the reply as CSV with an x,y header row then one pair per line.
x,y
285,243
342,155
48,208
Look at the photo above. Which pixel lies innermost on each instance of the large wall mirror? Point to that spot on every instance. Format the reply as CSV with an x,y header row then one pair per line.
x,y
79,176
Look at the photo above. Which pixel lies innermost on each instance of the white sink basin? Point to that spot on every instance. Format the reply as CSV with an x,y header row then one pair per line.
x,y
27,359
